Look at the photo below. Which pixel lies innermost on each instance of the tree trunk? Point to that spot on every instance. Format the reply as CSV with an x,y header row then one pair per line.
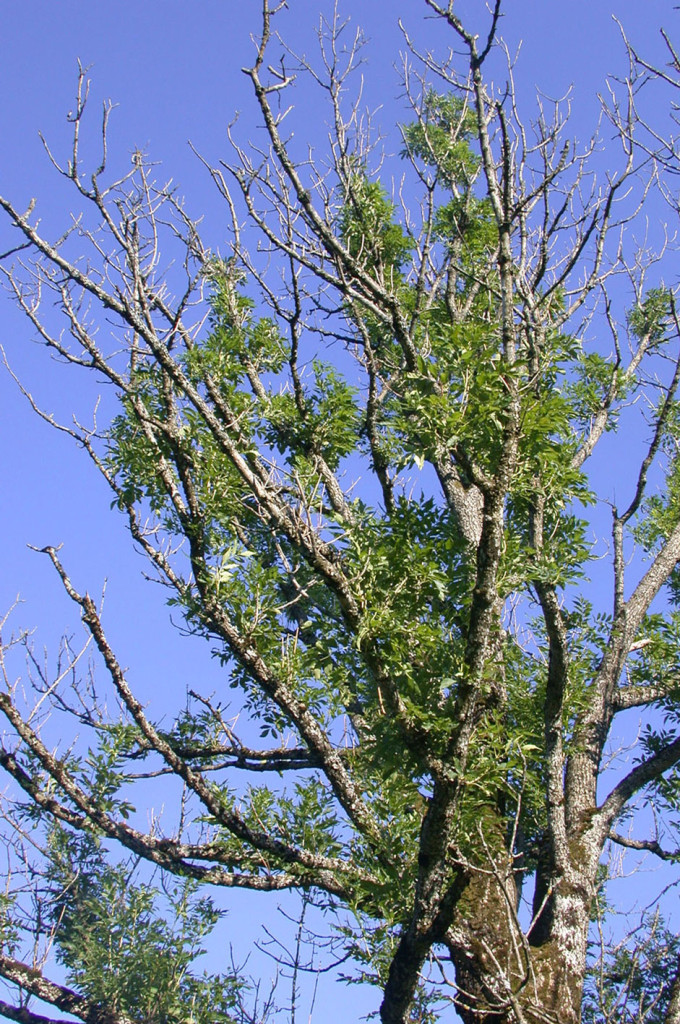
x,y
486,948
500,977
673,1010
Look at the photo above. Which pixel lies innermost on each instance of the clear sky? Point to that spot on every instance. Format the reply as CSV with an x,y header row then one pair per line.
x,y
173,69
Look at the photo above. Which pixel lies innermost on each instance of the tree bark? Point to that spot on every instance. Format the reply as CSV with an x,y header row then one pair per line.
x,y
504,980
673,1011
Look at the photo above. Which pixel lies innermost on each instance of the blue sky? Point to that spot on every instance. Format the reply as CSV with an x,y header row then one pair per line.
x,y
173,70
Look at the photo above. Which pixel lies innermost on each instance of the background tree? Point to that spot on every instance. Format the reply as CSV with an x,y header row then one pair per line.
x,y
635,977
356,453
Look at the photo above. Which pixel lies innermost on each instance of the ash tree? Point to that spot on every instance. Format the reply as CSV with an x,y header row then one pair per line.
x,y
356,448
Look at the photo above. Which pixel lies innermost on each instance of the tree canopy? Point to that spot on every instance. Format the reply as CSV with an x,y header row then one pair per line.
x,y
359,448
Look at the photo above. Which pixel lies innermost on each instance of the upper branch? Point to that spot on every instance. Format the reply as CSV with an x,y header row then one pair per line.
x,y
649,770
230,819
32,980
